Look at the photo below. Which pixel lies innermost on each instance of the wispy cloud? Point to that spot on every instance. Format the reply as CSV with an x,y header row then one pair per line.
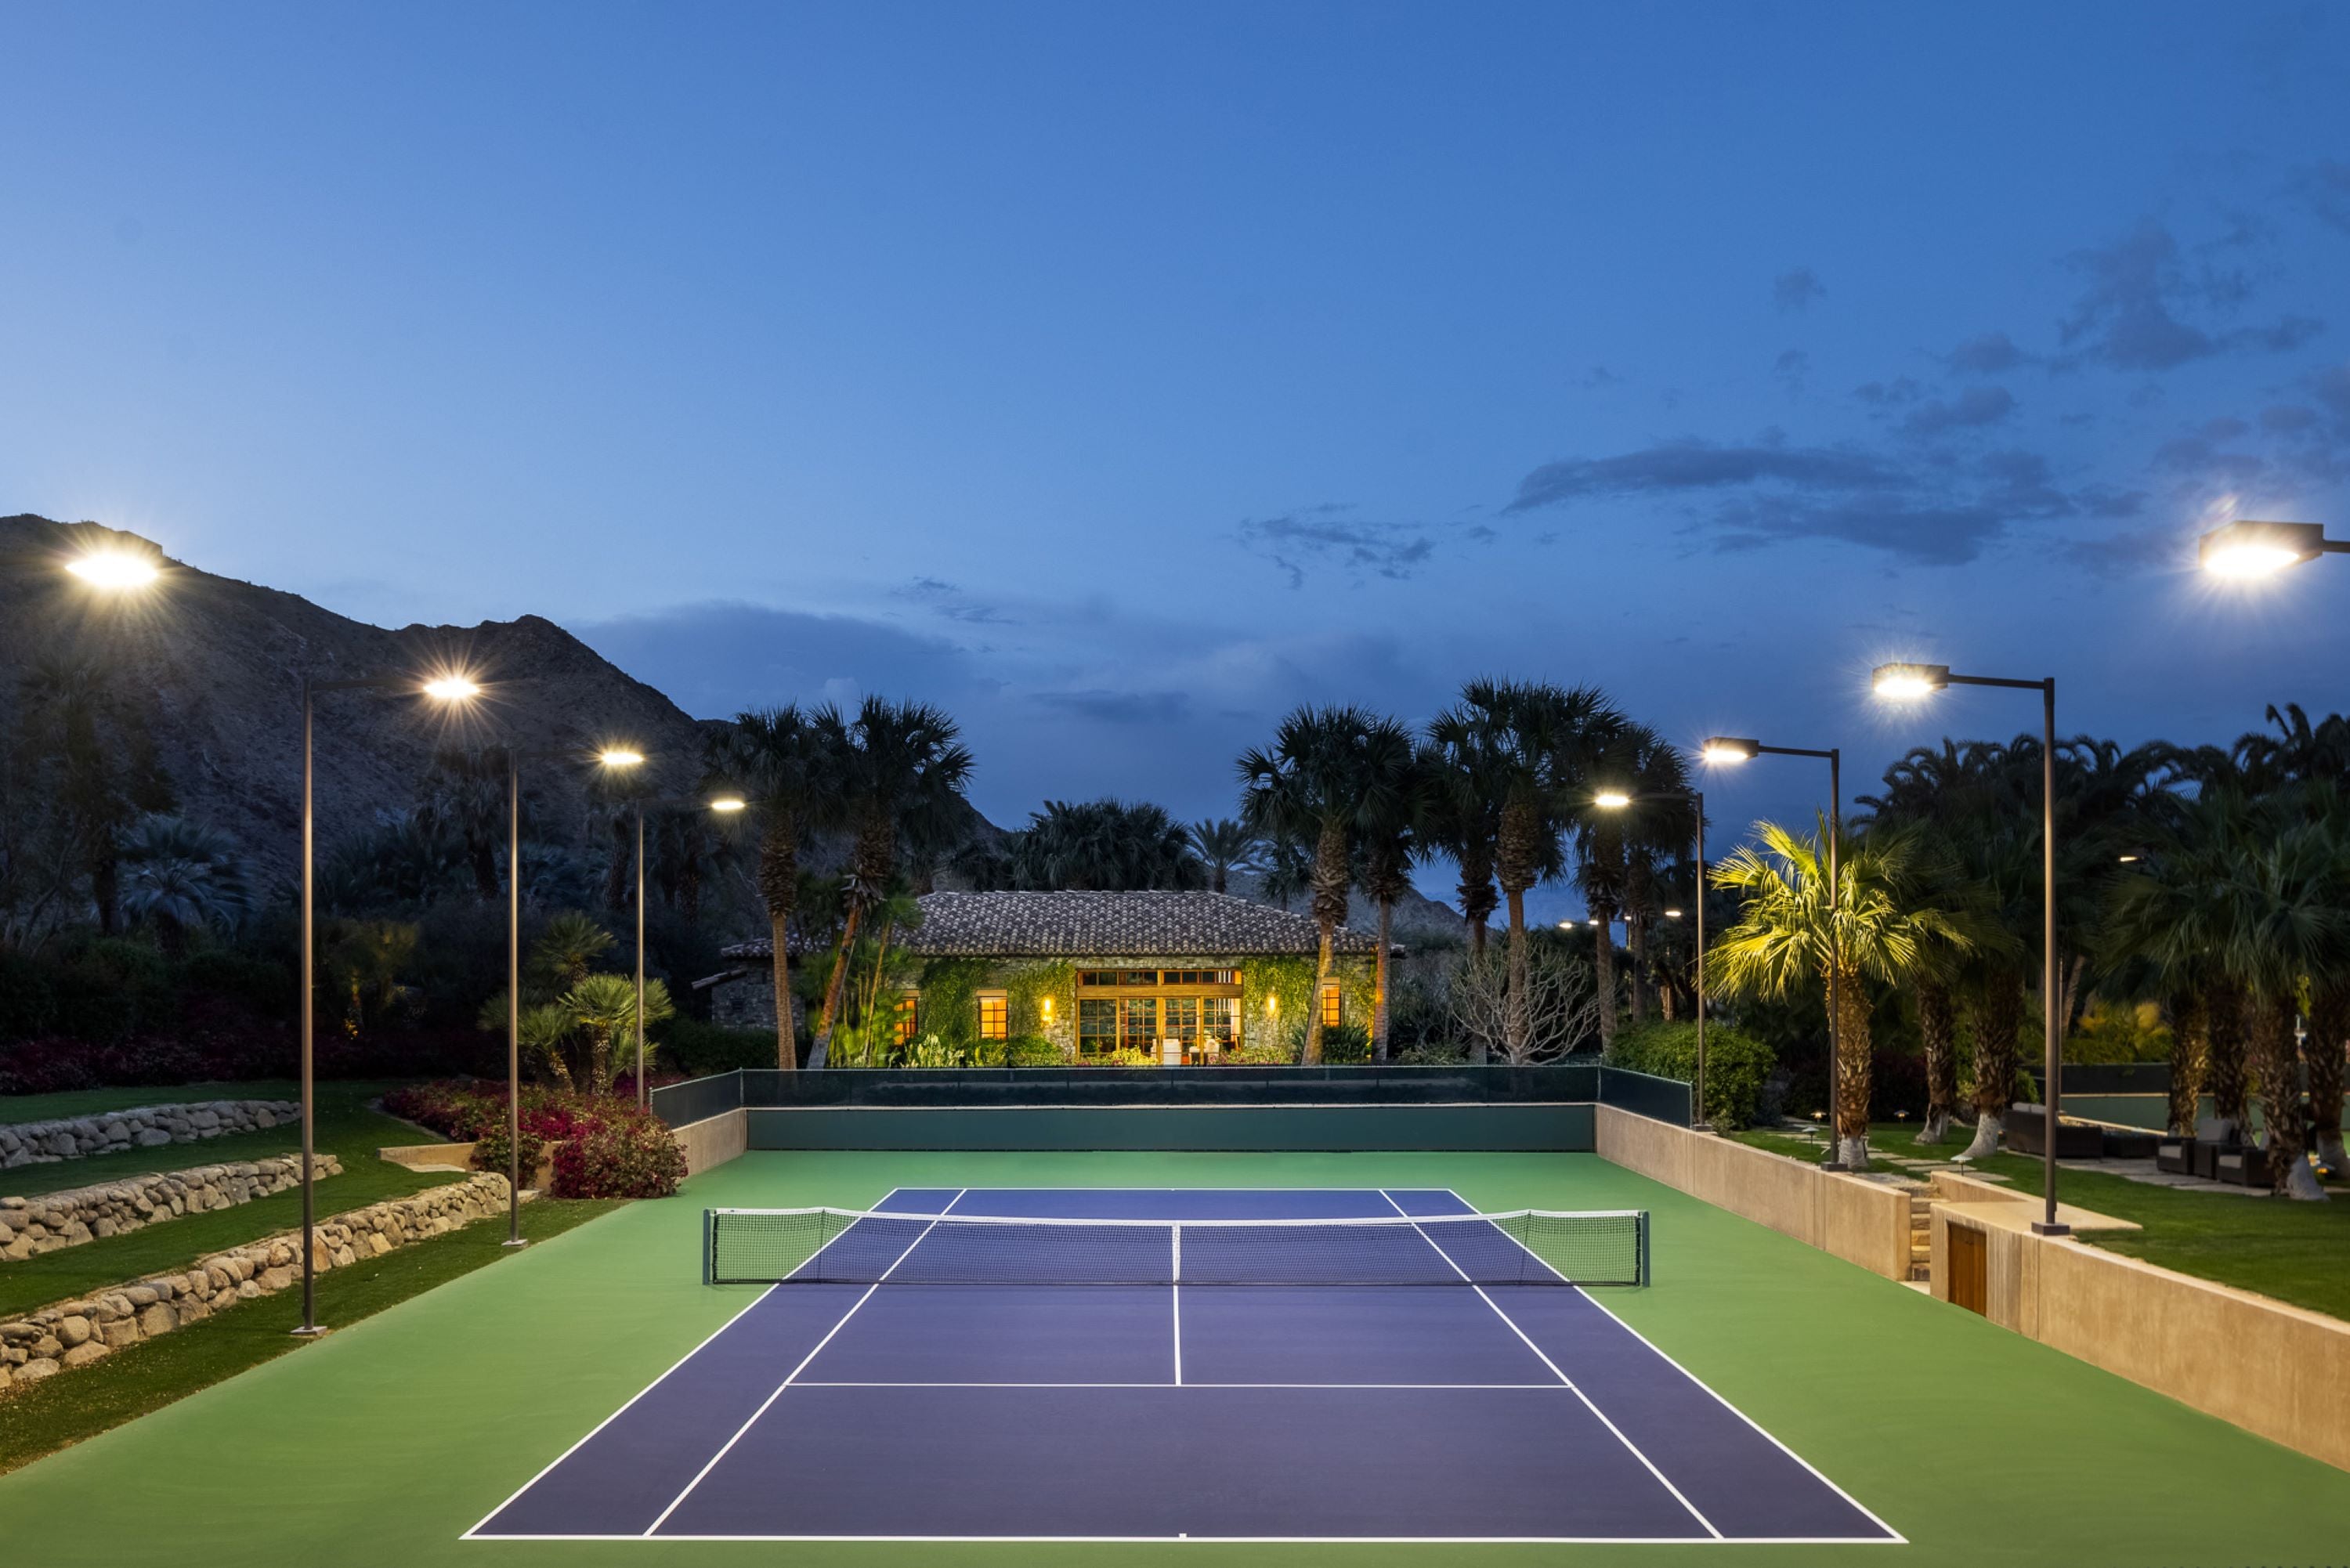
x,y
1323,534
2133,312
1797,289
1970,409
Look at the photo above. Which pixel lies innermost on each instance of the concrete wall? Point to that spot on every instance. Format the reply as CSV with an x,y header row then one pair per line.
x,y
713,1140
2270,1368
1519,1127
1863,1222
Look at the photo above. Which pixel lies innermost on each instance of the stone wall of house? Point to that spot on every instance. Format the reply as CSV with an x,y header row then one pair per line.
x,y
77,1332
148,1127
31,1226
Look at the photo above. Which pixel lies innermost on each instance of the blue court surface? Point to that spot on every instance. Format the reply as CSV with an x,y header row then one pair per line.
x,y
908,1410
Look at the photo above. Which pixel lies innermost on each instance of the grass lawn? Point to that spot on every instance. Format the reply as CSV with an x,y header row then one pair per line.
x,y
346,1127
387,1440
129,1384
2293,1251
89,1102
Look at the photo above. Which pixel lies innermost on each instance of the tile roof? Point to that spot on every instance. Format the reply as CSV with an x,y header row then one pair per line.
x,y
1101,924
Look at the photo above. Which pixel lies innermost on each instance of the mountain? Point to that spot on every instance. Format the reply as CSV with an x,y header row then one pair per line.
x,y
215,666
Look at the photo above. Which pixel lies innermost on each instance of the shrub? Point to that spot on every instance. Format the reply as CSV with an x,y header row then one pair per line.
x,y
1346,1043
1264,1055
492,1152
1735,1064
630,1156
700,1050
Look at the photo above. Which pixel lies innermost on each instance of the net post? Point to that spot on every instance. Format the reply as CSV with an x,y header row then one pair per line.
x,y
710,1246
1647,1270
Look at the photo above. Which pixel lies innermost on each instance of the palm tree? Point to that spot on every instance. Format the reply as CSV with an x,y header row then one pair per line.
x,y
1225,846
1540,744
1464,812
178,875
1391,817
603,1008
1103,845
1311,788
1618,850
1881,928
903,763
789,761
465,796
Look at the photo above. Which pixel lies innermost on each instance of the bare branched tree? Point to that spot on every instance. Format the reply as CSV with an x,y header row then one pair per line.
x,y
1562,1007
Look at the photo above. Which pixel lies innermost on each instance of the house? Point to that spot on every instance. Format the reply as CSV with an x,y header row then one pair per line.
x,y
1031,978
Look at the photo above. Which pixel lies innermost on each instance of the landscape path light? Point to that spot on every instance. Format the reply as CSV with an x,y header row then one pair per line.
x,y
1618,800
448,687
2247,549
1909,683
1729,751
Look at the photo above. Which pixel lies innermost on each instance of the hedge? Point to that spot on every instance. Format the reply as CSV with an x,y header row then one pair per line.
x,y
201,1054
1736,1064
610,1148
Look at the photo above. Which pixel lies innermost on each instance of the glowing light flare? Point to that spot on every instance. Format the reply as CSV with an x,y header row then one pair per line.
x,y
2247,549
1672,914
620,757
1908,682
1611,800
729,803
114,570
452,689
1730,749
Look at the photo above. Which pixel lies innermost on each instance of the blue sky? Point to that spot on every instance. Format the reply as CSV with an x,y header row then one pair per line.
x,y
1121,375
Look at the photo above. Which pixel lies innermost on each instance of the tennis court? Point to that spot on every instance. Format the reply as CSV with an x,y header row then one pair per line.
x,y
1159,1363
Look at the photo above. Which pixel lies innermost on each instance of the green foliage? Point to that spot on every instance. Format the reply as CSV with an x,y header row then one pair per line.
x,y
493,1151
1346,1043
1032,1051
1261,1054
930,1051
619,1156
2117,1031
1736,1064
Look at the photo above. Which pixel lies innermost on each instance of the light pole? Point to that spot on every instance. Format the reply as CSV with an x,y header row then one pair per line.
x,y
625,757
1616,800
1910,682
441,689
2247,549
1734,749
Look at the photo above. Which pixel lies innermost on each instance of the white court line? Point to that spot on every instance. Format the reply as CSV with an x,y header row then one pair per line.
x,y
1867,1513
1175,1295
796,1371
1294,1540
1663,1480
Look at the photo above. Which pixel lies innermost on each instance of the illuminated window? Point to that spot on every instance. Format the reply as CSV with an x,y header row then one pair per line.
x,y
909,1016
1331,1017
994,1016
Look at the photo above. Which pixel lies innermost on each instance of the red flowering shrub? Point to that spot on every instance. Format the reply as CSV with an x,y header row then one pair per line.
x,y
606,1148
206,1054
632,1156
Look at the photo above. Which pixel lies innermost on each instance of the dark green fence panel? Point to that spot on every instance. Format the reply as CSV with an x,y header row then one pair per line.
x,y
698,1099
1659,1099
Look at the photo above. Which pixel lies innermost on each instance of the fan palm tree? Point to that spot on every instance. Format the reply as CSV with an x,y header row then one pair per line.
x,y
905,768
178,875
1104,845
465,796
1617,851
1541,745
1311,787
1225,846
602,1009
789,761
1464,813
1881,928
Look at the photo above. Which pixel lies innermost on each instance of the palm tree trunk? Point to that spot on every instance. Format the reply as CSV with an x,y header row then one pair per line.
x,y
1998,1013
1379,985
1854,1080
2189,1041
1603,957
1477,933
2224,1059
834,987
1635,938
2278,1061
1935,1032
787,1045
1517,1018
2329,1027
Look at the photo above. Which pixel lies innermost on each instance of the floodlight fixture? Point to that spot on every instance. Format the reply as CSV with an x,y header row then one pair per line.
x,y
2247,549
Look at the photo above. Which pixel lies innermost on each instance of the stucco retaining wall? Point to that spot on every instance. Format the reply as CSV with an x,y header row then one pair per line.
x,y
1863,1222
713,1140
2277,1370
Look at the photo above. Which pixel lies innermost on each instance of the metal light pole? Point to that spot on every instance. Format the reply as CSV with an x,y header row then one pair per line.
x,y
1739,749
1909,681
445,689
513,997
644,1098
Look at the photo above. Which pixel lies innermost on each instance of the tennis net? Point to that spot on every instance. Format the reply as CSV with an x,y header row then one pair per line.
x,y
843,1246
